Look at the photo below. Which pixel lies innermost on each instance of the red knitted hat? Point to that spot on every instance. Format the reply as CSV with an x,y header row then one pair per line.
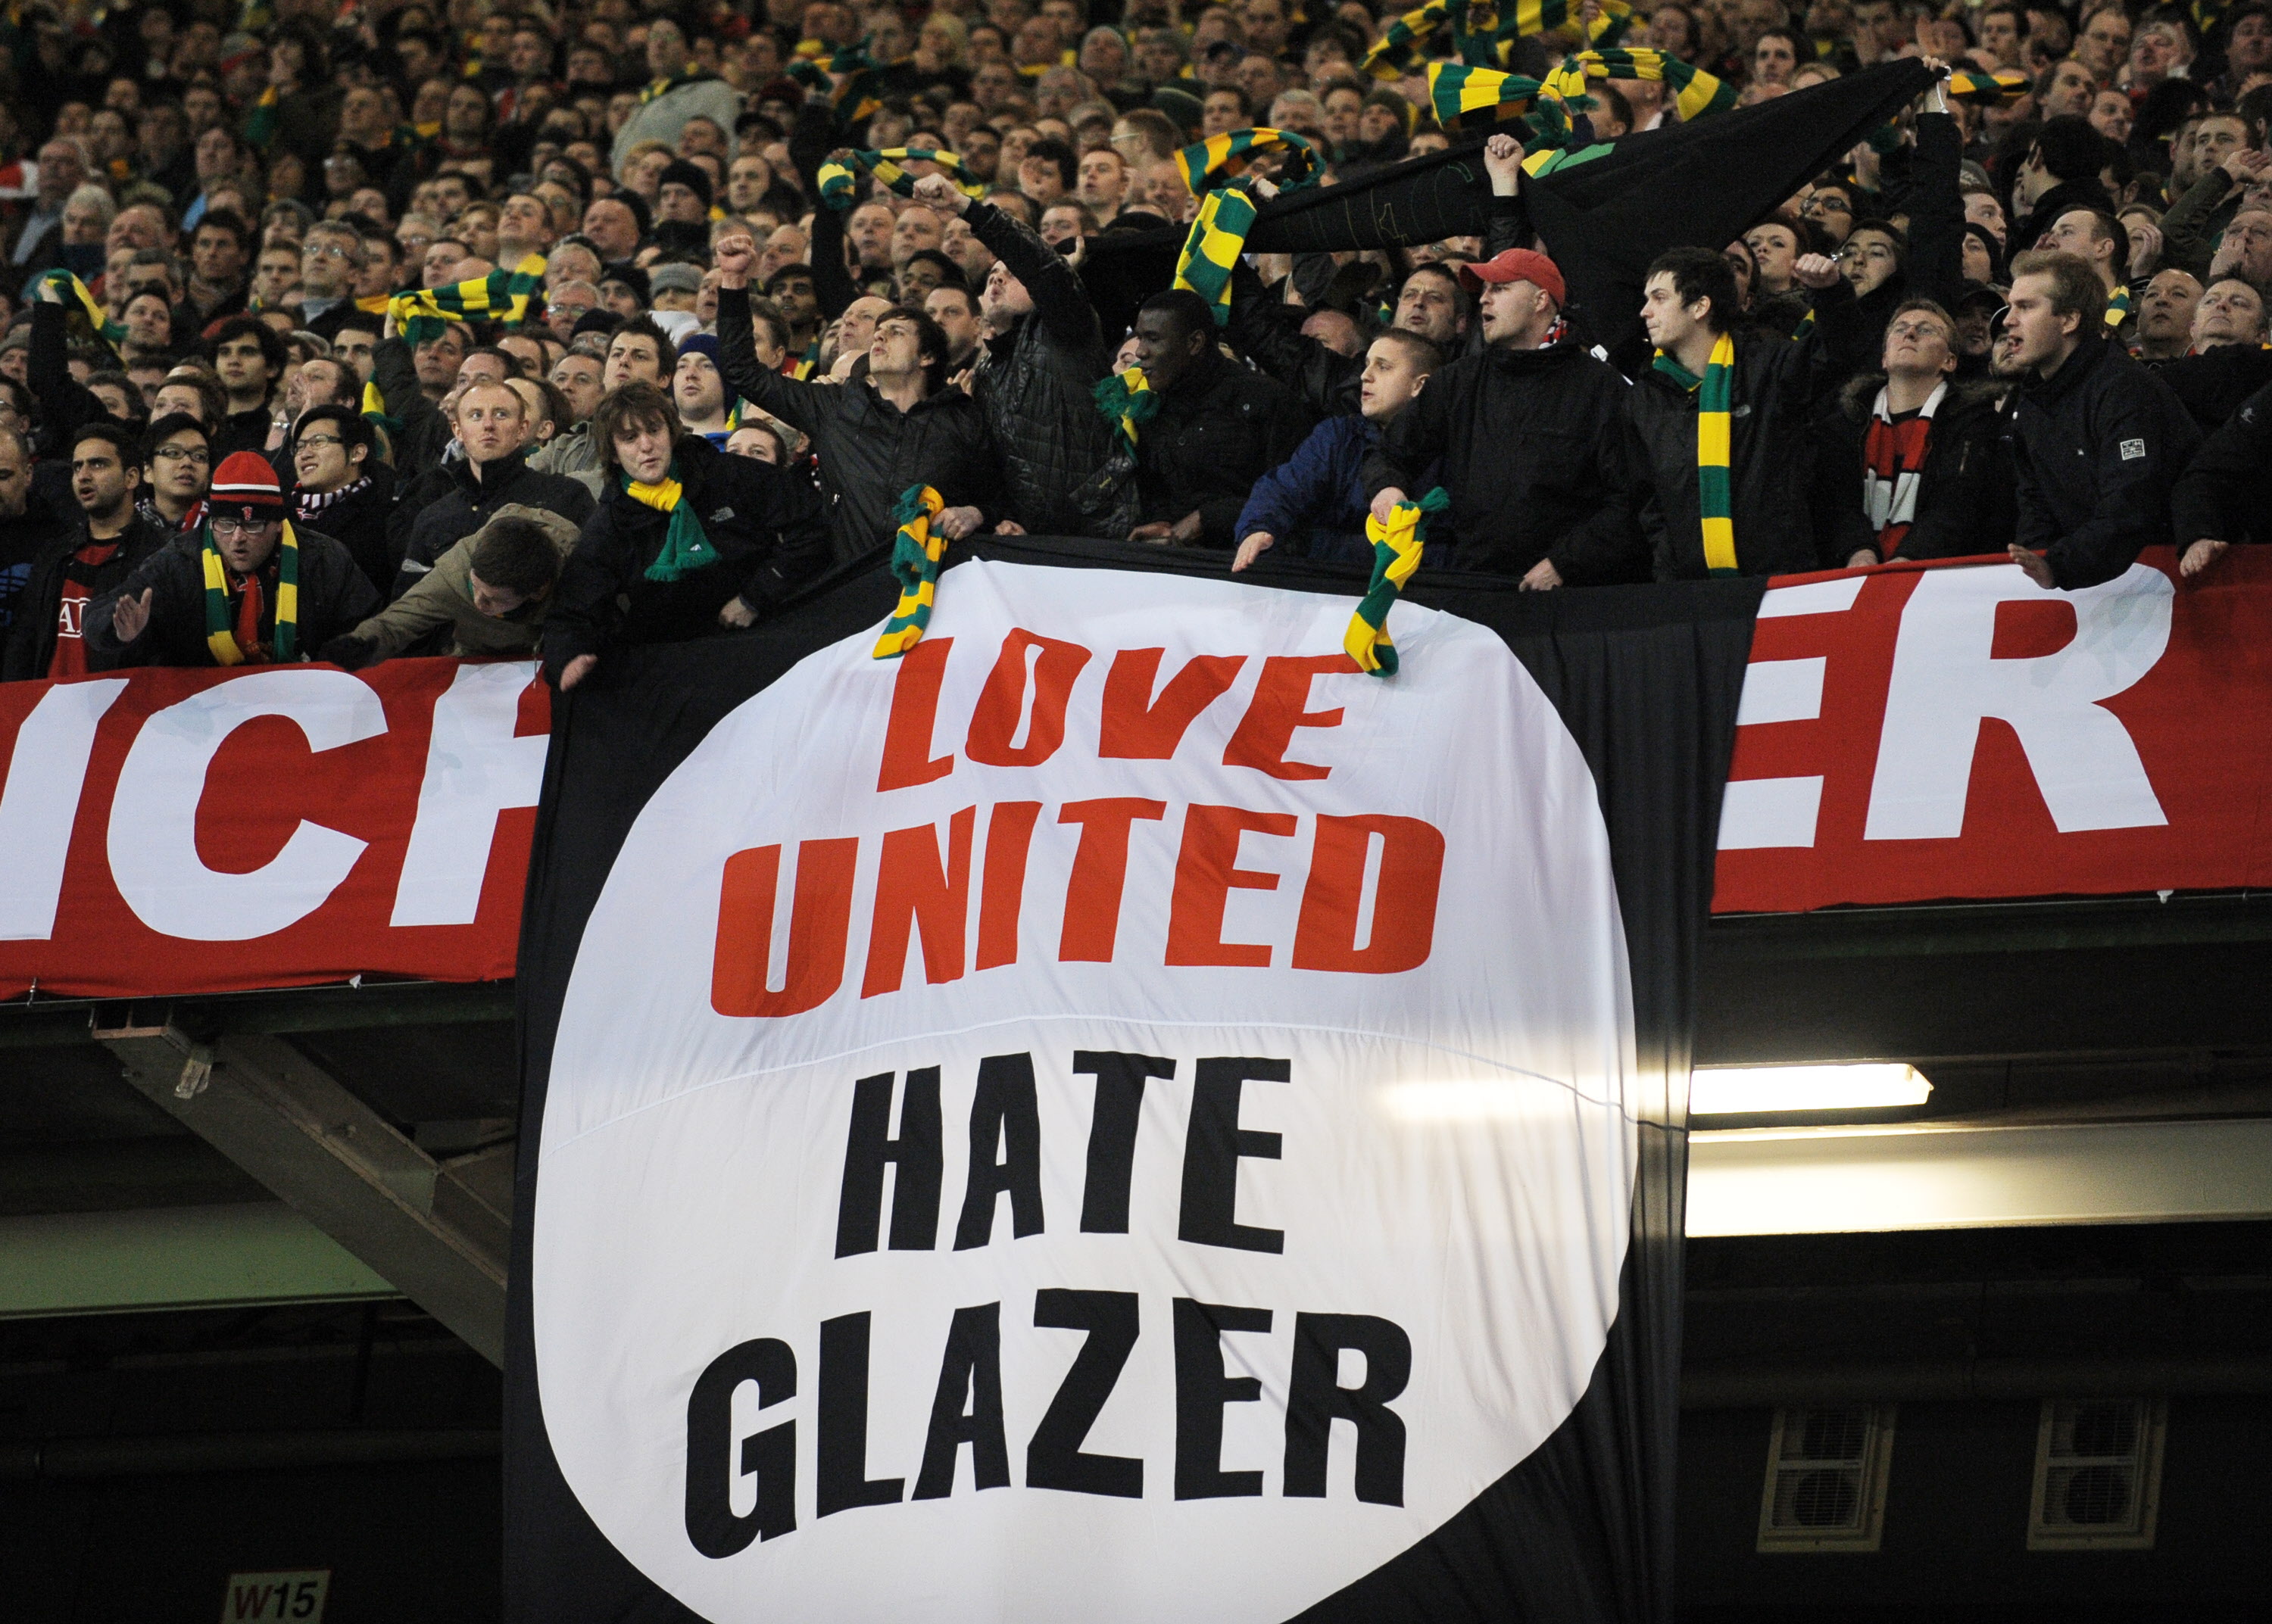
x,y
244,486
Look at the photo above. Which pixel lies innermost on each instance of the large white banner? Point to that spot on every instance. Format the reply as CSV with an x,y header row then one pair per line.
x,y
1116,1116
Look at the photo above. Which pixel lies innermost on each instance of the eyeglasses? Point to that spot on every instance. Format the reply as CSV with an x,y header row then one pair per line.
x,y
321,439
228,528
182,453
317,250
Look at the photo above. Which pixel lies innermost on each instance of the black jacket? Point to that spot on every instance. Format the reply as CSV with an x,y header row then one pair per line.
x,y
46,517
768,525
468,505
1219,428
243,431
1529,440
2212,385
357,520
1035,386
870,451
2099,445
2222,496
425,433
1964,491
1779,384
333,597
64,402
32,637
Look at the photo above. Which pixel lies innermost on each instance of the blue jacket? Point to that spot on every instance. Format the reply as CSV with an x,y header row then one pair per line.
x,y
1314,501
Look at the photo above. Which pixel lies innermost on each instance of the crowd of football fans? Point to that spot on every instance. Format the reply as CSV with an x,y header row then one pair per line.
x,y
437,326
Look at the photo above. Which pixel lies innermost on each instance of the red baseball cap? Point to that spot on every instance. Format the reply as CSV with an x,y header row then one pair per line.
x,y
1516,264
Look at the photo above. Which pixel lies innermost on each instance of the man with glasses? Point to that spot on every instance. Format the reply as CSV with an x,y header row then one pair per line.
x,y
285,590
1934,481
179,471
331,263
340,487
47,637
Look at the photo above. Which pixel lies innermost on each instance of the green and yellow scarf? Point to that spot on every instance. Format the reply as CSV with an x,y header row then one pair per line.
x,y
1216,171
688,75
916,553
2118,308
220,635
840,176
2000,88
75,292
1128,403
502,296
685,545
1696,94
1396,548
1715,394
1483,33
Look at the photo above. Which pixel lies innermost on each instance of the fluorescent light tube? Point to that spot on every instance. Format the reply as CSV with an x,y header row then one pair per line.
x,y
1749,1091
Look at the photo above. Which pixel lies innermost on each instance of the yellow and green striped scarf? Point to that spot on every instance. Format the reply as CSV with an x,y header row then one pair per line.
x,y
916,553
1481,34
2000,88
2118,308
686,546
261,119
1396,548
220,635
75,292
1715,394
1217,238
1128,403
687,75
1216,171
502,295
1222,158
840,176
1696,94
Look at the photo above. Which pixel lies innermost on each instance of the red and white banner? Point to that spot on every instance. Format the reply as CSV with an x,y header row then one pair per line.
x,y
181,831
1910,734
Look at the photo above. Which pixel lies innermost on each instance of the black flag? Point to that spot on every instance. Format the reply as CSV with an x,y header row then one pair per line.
x,y
1602,219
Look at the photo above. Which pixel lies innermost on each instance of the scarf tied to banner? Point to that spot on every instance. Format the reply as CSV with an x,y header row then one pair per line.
x,y
915,552
234,644
1215,170
1396,548
1714,393
840,176
686,546
74,293
502,295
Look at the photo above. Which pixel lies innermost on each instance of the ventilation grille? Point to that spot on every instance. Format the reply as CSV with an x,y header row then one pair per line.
x,y
2098,1471
1826,1487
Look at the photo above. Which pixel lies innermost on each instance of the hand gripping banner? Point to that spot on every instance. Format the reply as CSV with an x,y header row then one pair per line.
x,y
1116,1113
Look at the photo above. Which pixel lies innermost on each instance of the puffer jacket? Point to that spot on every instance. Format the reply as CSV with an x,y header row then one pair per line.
x,y
2099,445
1035,385
870,451
765,522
